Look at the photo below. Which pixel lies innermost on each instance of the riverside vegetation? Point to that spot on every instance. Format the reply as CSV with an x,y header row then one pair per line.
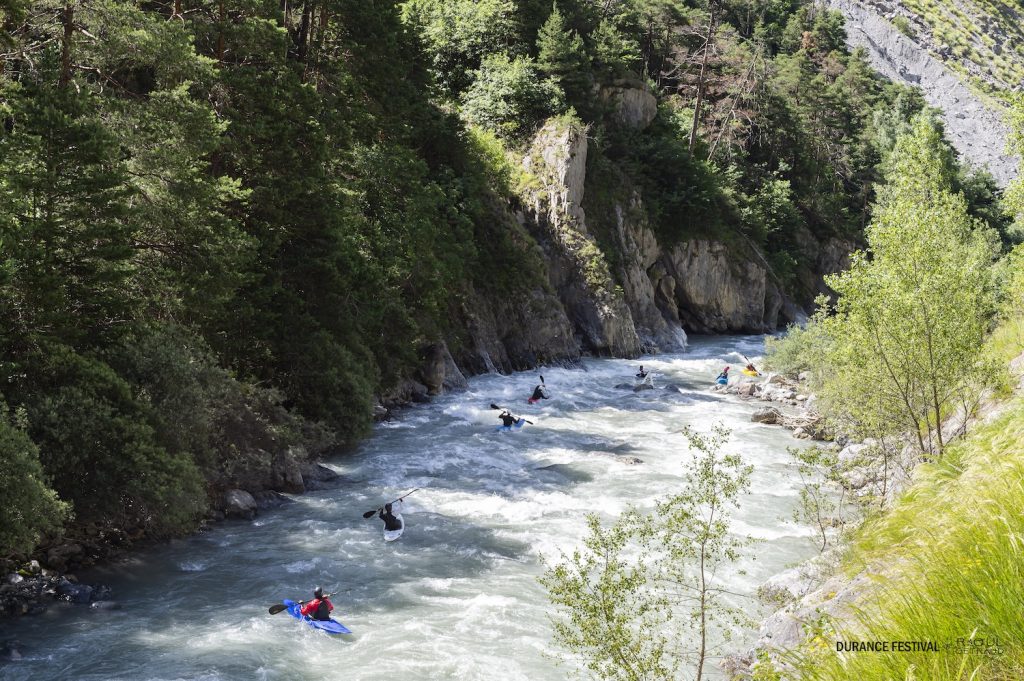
x,y
917,339
923,341
227,228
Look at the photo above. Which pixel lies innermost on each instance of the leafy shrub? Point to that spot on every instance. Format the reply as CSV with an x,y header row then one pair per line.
x,y
509,98
902,25
97,445
30,508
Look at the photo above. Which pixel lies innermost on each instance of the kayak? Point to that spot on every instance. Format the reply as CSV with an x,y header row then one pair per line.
x,y
748,372
331,626
722,381
392,535
516,426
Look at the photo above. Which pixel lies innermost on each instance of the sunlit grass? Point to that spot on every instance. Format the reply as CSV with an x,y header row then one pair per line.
x,y
950,554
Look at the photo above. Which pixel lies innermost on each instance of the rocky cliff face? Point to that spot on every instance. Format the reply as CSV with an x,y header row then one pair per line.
x,y
647,295
608,286
975,129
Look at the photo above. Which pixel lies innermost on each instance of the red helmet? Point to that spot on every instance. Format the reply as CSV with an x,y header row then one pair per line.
x,y
726,368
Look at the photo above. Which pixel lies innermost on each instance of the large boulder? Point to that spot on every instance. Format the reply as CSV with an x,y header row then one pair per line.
x,y
269,499
317,476
768,415
74,593
633,105
286,472
439,372
239,504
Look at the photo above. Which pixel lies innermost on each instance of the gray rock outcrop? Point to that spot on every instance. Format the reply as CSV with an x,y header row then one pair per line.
x,y
577,268
976,131
716,291
634,106
239,504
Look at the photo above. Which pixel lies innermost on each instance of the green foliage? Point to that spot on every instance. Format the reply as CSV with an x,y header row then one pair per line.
x,y
643,597
561,56
770,211
902,25
615,52
1014,199
99,450
509,98
945,564
459,34
30,508
223,239
820,479
802,348
903,346
615,622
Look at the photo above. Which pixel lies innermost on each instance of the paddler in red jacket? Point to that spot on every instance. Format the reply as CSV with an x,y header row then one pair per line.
x,y
319,608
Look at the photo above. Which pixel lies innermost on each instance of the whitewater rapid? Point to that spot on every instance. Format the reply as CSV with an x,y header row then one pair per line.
x,y
457,597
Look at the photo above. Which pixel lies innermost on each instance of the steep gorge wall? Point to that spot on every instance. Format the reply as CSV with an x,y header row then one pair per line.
x,y
608,286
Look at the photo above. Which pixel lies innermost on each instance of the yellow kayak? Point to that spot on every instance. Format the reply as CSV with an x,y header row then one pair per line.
x,y
748,372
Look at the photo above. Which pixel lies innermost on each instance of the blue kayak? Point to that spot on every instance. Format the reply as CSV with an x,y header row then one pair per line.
x,y
516,426
330,626
722,381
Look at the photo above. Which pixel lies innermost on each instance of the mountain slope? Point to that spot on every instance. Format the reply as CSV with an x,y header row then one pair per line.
x,y
954,84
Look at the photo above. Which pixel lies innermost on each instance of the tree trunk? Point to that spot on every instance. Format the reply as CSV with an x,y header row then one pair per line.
x,y
303,37
68,19
220,32
703,616
703,71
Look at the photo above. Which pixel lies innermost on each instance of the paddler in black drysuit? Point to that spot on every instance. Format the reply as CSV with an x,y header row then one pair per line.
x,y
391,521
641,374
507,420
539,393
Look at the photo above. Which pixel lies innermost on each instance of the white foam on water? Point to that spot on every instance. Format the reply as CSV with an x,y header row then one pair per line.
x,y
457,596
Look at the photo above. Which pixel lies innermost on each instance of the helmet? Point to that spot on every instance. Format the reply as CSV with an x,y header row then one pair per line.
x,y
726,368
318,592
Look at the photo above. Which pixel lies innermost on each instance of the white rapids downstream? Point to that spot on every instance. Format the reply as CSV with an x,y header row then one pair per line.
x,y
457,596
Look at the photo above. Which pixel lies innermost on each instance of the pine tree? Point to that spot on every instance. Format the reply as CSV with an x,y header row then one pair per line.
x,y
562,56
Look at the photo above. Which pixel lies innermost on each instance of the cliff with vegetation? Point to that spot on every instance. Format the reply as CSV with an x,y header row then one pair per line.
x,y
964,56
233,235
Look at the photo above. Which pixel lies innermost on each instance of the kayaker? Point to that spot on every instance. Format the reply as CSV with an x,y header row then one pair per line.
x,y
391,521
723,377
641,374
507,419
319,608
539,393
752,369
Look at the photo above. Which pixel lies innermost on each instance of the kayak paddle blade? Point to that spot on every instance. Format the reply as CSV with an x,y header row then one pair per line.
x,y
278,607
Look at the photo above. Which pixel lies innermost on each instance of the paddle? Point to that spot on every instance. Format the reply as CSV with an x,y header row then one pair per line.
x,y
370,514
494,406
280,607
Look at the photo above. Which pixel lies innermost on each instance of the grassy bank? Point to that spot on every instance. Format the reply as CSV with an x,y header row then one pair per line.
x,y
950,554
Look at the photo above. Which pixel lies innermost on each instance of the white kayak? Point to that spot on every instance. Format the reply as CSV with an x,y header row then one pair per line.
x,y
392,535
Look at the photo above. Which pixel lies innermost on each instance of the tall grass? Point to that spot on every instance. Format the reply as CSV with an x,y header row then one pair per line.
x,y
948,561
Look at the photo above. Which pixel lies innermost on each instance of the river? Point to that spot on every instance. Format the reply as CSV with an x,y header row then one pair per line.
x,y
457,596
